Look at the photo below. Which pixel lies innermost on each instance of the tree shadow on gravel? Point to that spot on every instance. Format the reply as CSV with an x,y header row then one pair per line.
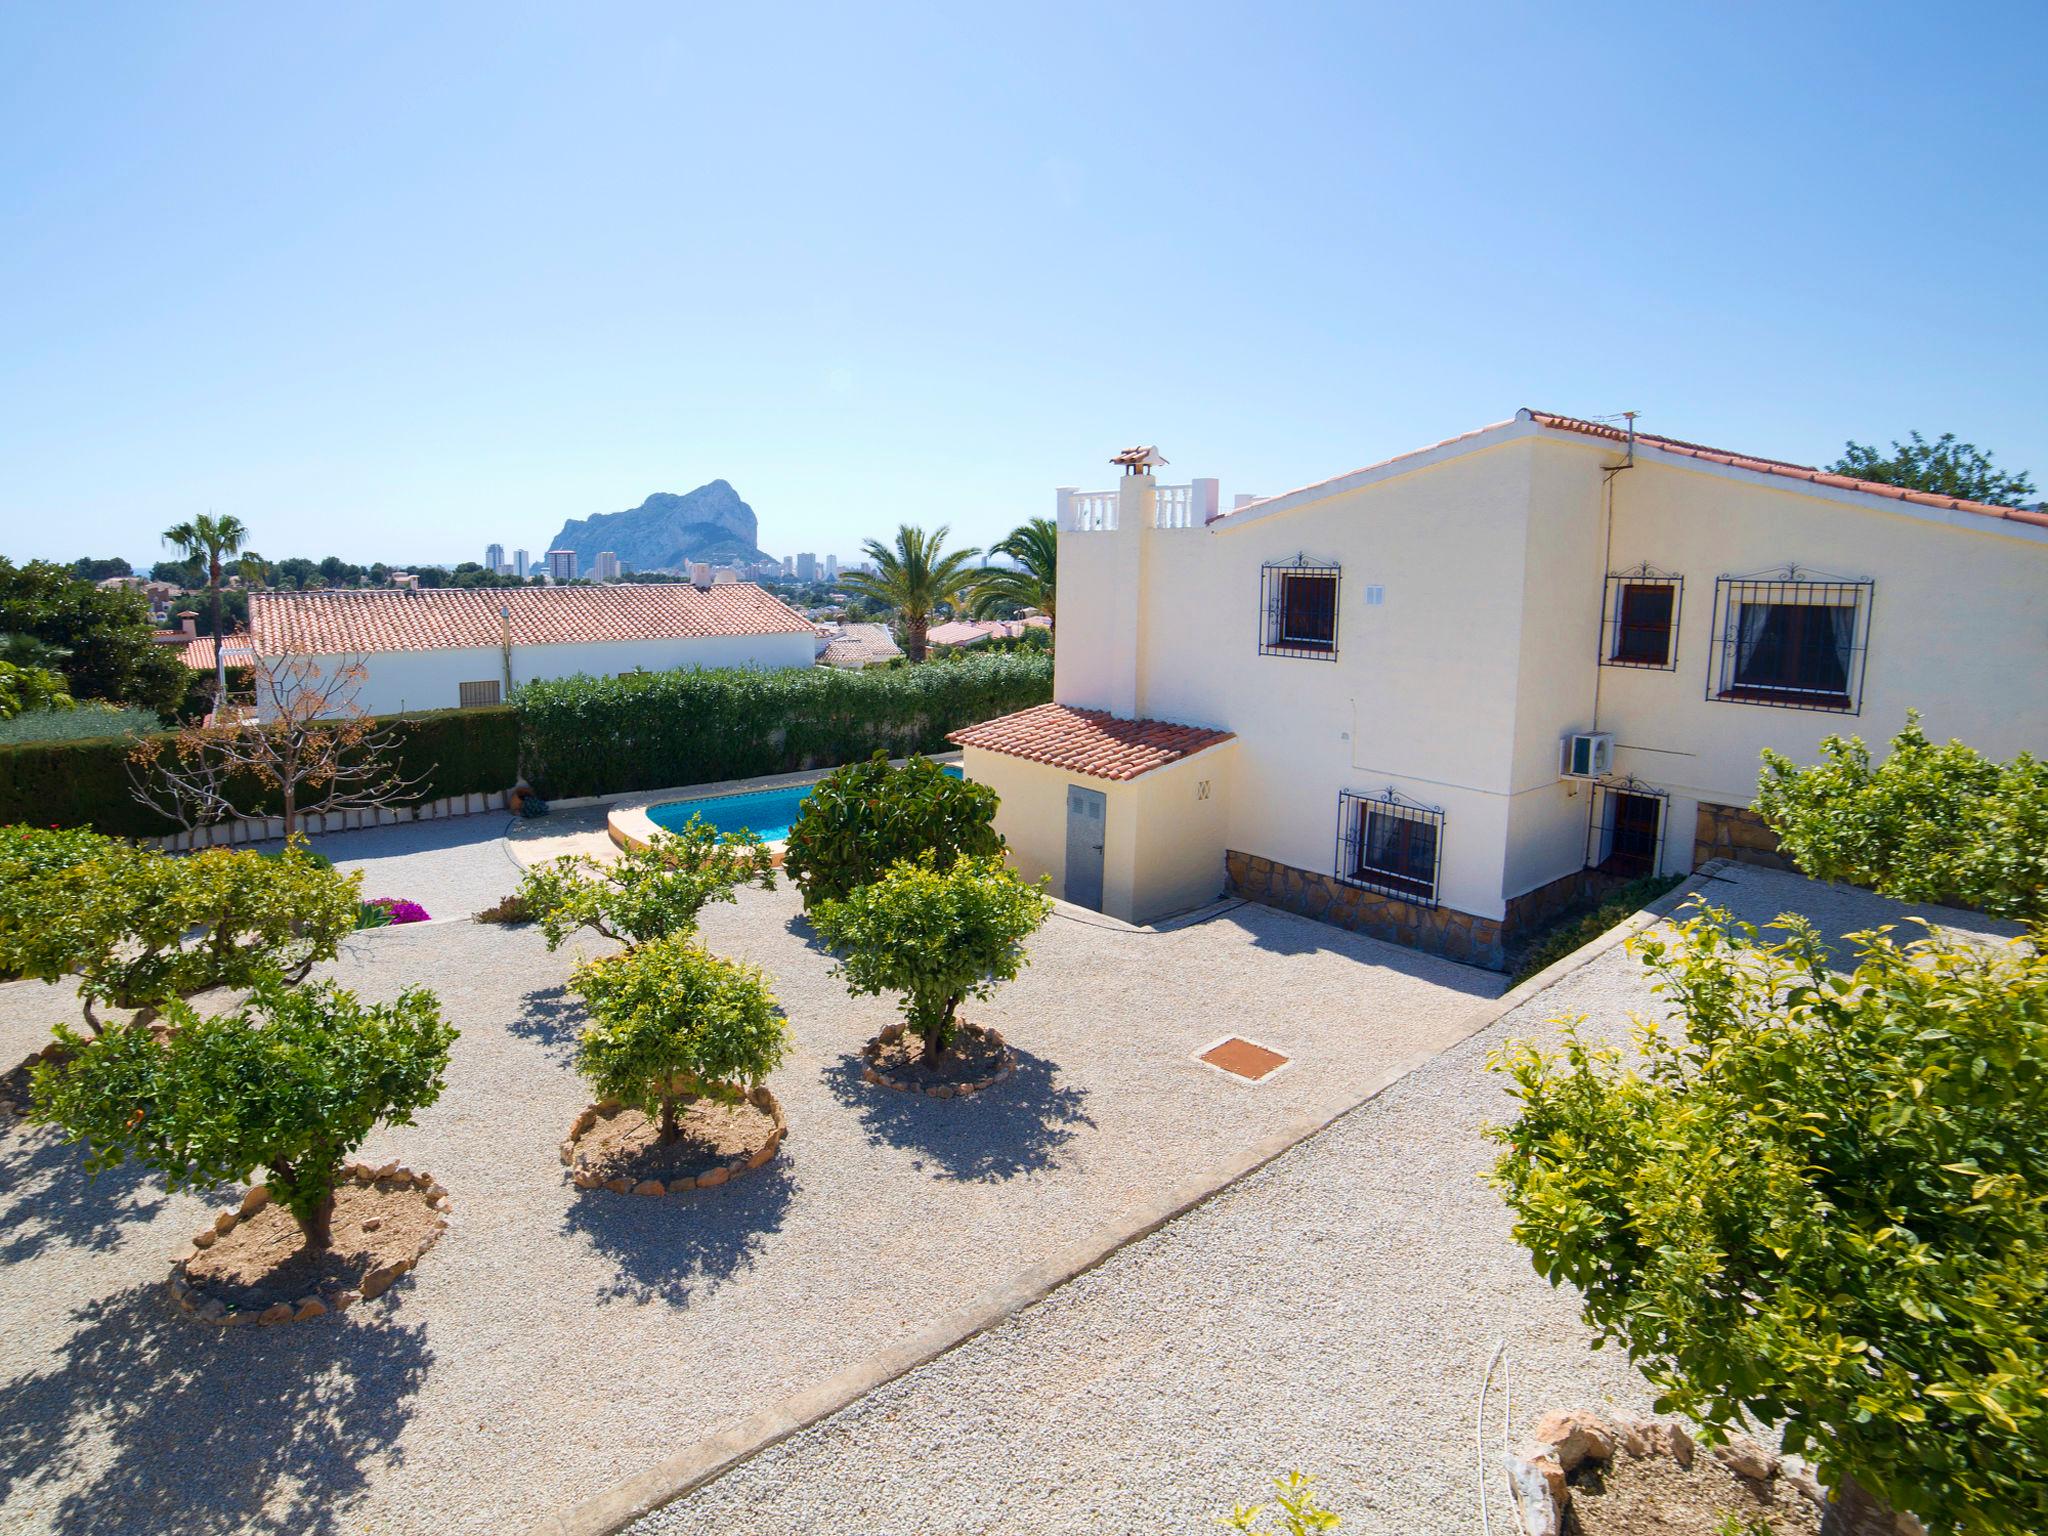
x,y
551,1017
1018,1126
669,1247
48,1200
142,1421
799,927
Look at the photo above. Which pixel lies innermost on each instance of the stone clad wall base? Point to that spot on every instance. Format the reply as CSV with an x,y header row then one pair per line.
x,y
1440,930
1735,832
262,829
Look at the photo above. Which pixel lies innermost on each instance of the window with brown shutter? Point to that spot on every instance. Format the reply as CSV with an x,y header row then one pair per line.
x,y
478,695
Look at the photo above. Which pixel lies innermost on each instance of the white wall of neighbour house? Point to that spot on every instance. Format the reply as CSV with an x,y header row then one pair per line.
x,y
1958,625
432,679
1421,697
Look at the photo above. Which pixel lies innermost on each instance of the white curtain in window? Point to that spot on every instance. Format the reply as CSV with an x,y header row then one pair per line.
x,y
1844,621
1750,621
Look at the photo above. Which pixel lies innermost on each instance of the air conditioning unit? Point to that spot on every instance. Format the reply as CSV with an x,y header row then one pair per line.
x,y
1585,755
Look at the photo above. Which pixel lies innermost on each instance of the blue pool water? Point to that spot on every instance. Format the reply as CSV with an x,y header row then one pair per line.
x,y
767,813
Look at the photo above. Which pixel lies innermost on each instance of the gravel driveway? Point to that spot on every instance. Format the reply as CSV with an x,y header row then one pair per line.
x,y
1334,1312
558,1342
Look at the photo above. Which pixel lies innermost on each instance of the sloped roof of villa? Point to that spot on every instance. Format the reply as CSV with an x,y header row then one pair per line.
x,y
1607,432
198,653
1089,741
855,645
448,618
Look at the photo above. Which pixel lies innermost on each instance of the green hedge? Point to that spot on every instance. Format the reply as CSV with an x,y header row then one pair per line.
x,y
86,783
604,735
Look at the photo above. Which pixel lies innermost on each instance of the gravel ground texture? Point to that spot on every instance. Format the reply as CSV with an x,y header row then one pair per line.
x,y
453,867
1334,1312
556,1341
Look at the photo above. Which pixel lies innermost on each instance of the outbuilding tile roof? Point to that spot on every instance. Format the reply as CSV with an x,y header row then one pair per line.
x,y
447,618
1089,741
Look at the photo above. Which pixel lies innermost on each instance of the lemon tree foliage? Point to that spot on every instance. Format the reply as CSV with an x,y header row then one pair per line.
x,y
669,1020
859,820
1824,1205
936,935
1301,1513
138,927
1939,823
291,1083
646,893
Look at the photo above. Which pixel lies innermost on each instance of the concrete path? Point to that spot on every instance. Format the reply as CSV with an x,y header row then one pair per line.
x,y
1334,1312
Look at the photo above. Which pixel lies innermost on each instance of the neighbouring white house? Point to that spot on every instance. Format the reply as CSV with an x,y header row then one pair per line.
x,y
446,647
1441,697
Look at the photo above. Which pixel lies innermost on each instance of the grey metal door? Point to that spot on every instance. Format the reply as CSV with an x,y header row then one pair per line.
x,y
1084,847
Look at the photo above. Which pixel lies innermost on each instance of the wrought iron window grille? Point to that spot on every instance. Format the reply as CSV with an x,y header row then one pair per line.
x,y
1625,827
1390,844
1298,608
1790,639
1639,620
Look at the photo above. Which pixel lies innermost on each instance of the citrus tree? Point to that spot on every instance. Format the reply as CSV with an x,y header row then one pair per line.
x,y
136,927
859,820
646,893
290,1083
670,1020
937,936
1823,1206
1938,823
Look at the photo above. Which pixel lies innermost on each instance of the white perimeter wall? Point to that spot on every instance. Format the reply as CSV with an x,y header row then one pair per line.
x,y
416,680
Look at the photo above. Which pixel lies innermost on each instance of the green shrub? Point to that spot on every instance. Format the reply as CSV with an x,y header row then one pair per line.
x,y
1300,1512
507,909
652,730
138,927
937,936
87,783
646,893
670,1019
1569,932
93,721
291,1082
1820,1203
1930,823
859,820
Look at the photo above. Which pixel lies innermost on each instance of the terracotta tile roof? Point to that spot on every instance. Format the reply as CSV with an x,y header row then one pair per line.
x,y
1805,472
445,618
855,645
198,654
1089,741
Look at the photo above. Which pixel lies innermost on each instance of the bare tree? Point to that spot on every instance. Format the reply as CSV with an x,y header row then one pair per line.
x,y
301,735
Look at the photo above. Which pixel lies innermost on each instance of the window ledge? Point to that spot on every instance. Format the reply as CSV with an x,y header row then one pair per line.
x,y
1801,697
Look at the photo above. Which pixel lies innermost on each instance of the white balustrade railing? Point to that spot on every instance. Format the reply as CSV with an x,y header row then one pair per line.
x,y
1174,507
1094,511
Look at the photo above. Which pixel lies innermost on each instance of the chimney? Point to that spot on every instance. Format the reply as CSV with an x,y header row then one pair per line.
x,y
188,622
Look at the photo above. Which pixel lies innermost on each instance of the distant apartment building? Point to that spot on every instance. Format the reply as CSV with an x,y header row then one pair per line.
x,y
831,567
607,566
806,567
494,557
562,565
519,559
789,567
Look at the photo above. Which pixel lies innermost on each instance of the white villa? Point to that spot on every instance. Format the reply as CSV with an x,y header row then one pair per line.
x,y
1437,698
445,647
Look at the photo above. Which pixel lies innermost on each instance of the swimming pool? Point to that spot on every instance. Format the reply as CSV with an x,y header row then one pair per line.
x,y
767,813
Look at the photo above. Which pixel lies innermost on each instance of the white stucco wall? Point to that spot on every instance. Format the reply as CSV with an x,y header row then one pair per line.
x,y
432,679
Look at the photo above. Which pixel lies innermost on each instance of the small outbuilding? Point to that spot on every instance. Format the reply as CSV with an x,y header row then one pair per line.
x,y
1127,817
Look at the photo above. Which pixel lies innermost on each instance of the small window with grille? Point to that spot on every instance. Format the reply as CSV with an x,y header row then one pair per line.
x,y
477,695
1790,640
1627,833
1298,610
1640,627
1390,845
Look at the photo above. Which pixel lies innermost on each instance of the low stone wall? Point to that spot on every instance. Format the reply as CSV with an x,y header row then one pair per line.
x,y
1439,930
263,829
1582,887
1735,832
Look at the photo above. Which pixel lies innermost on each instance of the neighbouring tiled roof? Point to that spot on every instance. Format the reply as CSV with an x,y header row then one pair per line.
x,y
1790,471
854,645
444,618
198,654
1088,741
974,631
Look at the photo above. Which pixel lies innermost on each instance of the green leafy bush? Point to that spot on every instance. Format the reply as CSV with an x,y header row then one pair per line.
x,y
646,893
651,730
1819,1202
1301,1514
138,927
1930,823
937,936
291,1082
87,783
26,688
1570,932
859,820
507,909
669,1020
92,721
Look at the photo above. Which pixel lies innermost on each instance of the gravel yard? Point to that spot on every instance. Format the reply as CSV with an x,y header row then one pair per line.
x,y
556,1342
1333,1312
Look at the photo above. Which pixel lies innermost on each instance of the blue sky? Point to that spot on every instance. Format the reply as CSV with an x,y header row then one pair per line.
x,y
390,281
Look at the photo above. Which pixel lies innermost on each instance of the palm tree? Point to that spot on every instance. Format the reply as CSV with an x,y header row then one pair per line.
x,y
1036,549
211,538
914,578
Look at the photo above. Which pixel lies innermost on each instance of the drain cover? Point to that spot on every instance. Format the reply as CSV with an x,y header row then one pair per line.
x,y
1243,1058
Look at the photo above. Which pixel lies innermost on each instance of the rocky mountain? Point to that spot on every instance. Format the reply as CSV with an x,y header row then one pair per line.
x,y
666,532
